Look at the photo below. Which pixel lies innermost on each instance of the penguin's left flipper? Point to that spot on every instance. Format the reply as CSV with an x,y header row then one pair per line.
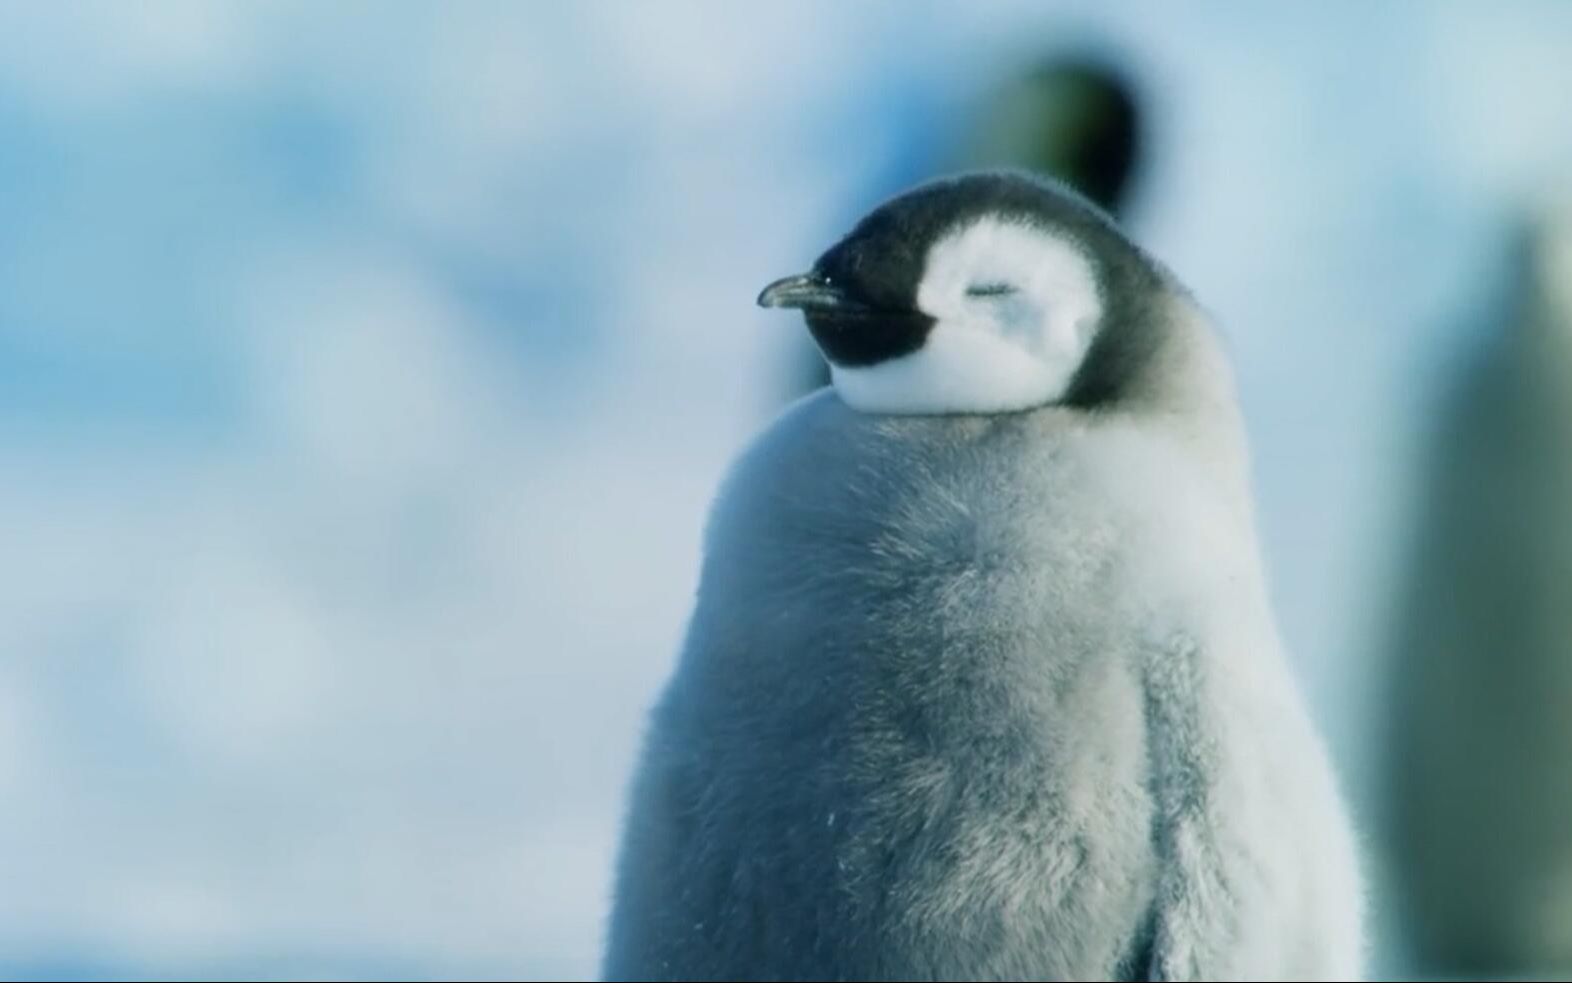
x,y
1246,880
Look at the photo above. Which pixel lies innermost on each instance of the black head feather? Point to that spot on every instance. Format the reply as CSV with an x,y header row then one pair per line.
x,y
877,268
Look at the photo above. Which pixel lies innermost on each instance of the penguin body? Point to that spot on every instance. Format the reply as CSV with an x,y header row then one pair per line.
x,y
989,693
1478,735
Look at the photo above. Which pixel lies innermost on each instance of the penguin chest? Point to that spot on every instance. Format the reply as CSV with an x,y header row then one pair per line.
x,y
994,776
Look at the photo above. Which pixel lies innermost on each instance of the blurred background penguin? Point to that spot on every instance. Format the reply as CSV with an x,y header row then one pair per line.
x,y
1480,748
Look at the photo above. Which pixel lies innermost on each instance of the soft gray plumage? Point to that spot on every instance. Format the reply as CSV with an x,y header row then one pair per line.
x,y
991,697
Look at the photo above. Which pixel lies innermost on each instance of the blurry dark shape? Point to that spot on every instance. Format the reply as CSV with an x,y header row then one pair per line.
x,y
1480,776
1072,117
1075,119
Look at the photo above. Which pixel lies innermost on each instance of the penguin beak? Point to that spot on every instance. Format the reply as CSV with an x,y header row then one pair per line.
x,y
806,291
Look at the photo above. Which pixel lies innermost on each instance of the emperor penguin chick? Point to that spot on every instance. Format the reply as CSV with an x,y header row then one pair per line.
x,y
982,680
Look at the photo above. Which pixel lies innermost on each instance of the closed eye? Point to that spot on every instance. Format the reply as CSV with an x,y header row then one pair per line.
x,y
989,290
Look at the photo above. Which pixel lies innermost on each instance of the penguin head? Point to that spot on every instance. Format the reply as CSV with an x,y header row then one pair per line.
x,y
982,293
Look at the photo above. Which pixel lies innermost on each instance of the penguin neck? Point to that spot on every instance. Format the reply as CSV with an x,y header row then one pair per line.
x,y
1181,369
1155,356
1176,379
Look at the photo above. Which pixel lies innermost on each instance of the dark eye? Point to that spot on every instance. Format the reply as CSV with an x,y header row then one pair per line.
x,y
989,290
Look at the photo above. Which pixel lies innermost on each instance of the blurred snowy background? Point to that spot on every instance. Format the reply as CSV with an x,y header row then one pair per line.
x,y
365,370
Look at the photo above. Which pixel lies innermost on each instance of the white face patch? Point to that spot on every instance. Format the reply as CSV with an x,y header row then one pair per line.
x,y
1015,308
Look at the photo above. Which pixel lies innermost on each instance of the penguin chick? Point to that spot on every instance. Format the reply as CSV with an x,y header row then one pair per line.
x,y
982,681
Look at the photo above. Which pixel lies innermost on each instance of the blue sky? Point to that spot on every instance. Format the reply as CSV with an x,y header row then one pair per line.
x,y
365,373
